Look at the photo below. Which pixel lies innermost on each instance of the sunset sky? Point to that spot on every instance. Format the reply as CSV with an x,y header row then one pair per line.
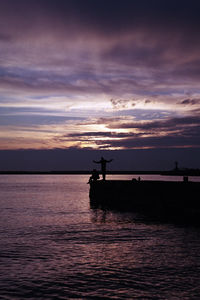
x,y
100,75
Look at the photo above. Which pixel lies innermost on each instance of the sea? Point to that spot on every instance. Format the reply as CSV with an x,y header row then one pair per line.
x,y
53,245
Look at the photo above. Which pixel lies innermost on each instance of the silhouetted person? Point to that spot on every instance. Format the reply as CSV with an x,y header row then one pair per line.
x,y
94,176
103,163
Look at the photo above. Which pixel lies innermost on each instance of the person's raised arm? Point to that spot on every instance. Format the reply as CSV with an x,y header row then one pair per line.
x,y
97,162
109,160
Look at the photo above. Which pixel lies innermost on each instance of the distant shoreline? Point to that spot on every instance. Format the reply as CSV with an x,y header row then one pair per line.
x,y
187,172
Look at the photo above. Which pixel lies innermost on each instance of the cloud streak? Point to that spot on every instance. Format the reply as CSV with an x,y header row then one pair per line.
x,y
174,132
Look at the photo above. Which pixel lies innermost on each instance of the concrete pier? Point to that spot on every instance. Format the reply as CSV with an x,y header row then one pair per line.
x,y
162,198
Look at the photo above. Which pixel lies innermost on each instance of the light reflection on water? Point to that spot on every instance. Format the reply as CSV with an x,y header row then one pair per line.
x,y
53,246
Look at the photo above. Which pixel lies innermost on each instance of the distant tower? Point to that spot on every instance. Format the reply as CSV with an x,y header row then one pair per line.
x,y
176,166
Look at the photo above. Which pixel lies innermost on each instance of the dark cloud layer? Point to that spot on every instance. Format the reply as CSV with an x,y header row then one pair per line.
x,y
148,22
91,39
124,15
158,125
189,101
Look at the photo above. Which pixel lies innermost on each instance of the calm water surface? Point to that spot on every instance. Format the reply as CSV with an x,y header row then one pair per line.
x,y
53,246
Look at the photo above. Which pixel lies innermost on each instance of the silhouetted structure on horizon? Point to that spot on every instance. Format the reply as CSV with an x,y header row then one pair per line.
x,y
176,166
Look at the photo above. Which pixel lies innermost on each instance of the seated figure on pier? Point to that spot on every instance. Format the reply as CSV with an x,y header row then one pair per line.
x,y
94,176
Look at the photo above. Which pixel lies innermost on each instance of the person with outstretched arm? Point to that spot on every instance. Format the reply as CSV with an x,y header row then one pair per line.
x,y
103,163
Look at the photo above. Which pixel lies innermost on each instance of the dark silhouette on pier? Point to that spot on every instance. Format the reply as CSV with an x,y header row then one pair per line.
x,y
94,177
103,163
